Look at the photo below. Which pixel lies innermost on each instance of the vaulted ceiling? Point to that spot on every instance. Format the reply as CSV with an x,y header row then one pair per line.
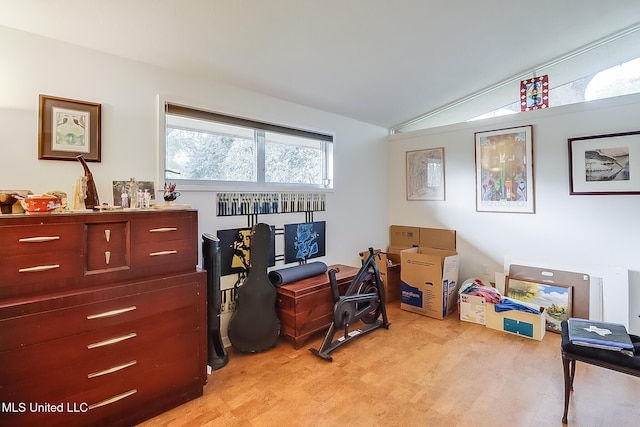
x,y
378,61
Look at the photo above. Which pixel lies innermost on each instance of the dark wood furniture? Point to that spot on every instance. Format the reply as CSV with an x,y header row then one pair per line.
x,y
102,317
594,356
306,306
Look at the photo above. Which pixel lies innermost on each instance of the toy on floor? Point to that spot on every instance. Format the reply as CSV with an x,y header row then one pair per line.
x,y
363,301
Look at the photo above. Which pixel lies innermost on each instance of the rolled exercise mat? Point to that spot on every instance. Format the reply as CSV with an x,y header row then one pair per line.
x,y
299,272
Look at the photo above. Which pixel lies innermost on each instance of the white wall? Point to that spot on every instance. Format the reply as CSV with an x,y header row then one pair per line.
x,y
597,235
128,91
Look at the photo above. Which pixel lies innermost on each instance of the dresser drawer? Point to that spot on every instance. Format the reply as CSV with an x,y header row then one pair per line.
x,y
96,359
107,246
36,274
41,239
165,257
23,331
163,229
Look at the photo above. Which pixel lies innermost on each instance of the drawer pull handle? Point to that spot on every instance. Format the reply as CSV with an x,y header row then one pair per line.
x,y
107,257
38,268
107,235
163,253
38,239
111,313
113,399
111,370
111,341
163,229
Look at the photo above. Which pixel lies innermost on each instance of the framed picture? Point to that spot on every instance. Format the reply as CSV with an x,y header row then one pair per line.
x,y
605,164
235,250
504,170
145,194
555,298
534,93
304,241
425,174
68,128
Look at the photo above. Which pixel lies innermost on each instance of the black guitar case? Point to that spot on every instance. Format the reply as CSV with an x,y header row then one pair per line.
x,y
254,326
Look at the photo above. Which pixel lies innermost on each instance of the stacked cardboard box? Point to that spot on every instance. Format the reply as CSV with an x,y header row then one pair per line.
x,y
428,269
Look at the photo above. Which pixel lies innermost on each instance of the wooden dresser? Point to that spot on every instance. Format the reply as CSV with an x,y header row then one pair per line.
x,y
306,306
102,317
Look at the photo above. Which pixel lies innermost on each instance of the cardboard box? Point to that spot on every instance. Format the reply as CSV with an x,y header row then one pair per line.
x,y
389,268
438,238
403,237
429,281
529,325
472,308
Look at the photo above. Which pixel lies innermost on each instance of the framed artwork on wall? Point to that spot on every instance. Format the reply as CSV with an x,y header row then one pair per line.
x,y
504,170
425,174
304,241
534,93
605,164
68,128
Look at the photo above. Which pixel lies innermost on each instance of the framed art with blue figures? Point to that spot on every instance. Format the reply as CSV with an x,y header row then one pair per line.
x,y
304,241
504,170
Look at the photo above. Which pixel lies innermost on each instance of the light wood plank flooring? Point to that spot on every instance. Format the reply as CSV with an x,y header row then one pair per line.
x,y
420,372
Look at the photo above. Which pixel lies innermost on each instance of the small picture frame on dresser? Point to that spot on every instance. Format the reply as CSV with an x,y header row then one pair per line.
x,y
145,196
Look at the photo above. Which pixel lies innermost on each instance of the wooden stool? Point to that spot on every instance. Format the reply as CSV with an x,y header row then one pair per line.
x,y
594,356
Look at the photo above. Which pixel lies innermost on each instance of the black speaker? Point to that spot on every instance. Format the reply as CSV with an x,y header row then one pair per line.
x,y
211,261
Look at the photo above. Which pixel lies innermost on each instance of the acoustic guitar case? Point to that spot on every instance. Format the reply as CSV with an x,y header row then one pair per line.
x,y
254,326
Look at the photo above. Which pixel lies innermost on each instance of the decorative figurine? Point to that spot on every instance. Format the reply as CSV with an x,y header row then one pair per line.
x,y
91,201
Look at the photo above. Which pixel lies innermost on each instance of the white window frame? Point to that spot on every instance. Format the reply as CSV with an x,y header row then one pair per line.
x,y
260,185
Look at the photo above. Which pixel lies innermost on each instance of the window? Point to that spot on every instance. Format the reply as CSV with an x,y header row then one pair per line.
x,y
605,68
204,148
622,79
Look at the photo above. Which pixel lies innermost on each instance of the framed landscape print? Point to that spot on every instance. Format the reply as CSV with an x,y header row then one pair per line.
x,y
425,174
68,128
605,164
504,170
556,299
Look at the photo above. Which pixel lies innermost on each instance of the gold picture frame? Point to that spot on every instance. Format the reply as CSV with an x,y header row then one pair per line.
x,y
68,128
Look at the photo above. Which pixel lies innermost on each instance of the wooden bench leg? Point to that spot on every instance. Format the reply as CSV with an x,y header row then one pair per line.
x,y
569,368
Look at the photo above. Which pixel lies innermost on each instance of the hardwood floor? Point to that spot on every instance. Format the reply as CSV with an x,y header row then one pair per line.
x,y
420,372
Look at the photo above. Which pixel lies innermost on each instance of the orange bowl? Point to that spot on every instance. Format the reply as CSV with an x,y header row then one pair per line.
x,y
40,204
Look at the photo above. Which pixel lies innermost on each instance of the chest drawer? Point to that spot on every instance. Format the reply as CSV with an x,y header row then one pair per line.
x,y
96,358
101,378
165,257
34,274
23,331
163,229
107,246
40,239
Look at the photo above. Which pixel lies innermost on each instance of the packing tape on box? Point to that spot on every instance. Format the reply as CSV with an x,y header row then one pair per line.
x,y
299,272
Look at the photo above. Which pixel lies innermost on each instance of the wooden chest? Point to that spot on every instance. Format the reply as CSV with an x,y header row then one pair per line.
x,y
306,306
102,317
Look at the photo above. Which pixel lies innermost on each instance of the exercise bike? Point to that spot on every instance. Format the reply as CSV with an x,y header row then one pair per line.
x,y
363,301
